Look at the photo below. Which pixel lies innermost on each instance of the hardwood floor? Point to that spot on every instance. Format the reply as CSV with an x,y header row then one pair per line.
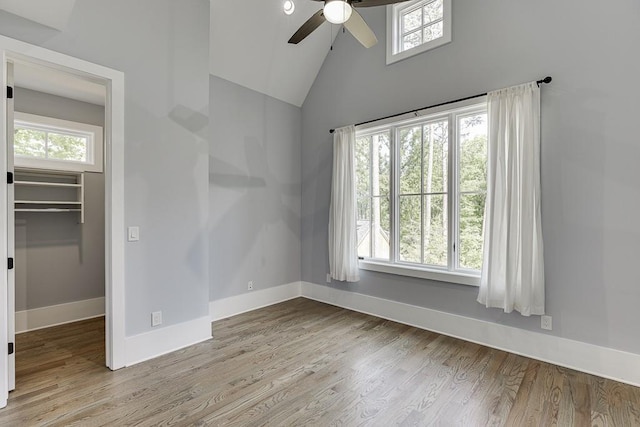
x,y
305,363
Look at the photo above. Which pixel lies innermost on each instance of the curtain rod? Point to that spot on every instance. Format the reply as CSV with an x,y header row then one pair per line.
x,y
539,82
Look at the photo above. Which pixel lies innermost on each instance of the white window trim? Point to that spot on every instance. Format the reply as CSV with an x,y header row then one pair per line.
x,y
393,32
421,271
95,146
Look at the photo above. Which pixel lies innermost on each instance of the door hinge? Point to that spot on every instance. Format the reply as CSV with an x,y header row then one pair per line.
x,y
10,264
9,92
10,348
9,177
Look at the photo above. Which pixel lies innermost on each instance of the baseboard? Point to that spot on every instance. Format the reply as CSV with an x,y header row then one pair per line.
x,y
231,306
602,361
45,317
157,342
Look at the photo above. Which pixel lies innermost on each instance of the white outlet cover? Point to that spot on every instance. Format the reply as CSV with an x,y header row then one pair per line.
x,y
546,322
156,318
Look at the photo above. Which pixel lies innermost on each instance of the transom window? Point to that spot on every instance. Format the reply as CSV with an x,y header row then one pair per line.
x,y
47,143
416,26
421,188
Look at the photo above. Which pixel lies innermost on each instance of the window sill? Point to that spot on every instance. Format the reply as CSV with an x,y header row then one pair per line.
x,y
420,273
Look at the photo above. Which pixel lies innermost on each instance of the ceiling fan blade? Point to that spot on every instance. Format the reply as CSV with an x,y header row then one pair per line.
x,y
308,27
360,30
371,3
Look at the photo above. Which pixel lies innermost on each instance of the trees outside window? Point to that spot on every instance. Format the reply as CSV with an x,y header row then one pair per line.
x,y
421,191
49,143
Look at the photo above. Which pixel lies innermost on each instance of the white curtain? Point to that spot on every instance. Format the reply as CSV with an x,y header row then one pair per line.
x,y
343,244
513,270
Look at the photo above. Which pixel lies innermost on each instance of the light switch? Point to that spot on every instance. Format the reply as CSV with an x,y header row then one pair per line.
x,y
134,234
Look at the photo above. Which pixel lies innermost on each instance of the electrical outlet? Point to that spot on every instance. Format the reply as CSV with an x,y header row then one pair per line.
x,y
250,285
546,323
328,277
156,318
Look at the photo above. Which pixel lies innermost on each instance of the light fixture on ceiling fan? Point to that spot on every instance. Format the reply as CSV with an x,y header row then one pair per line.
x,y
337,11
342,12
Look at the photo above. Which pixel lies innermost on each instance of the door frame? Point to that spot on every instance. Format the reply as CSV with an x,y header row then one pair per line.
x,y
11,49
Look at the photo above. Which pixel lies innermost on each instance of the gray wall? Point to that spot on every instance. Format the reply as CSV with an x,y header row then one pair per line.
x,y
590,149
162,46
254,190
59,260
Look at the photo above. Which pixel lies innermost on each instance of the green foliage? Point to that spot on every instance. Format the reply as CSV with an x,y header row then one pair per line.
x,y
42,144
30,143
423,209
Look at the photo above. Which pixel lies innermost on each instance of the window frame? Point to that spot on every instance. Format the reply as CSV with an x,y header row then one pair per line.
x,y
395,27
452,273
95,146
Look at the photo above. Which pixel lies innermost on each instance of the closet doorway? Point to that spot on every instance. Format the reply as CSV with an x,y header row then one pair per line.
x,y
64,198
59,203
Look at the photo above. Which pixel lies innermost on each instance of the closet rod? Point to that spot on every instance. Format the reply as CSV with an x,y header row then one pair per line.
x,y
539,82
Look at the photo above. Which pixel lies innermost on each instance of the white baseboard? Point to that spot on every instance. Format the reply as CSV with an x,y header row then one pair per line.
x,y
252,300
602,361
45,317
157,342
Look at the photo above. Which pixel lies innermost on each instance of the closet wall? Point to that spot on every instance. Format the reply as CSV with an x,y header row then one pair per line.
x,y
58,260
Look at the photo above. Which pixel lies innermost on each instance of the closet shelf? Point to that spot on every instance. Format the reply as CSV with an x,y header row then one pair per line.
x,y
43,190
46,202
47,210
47,184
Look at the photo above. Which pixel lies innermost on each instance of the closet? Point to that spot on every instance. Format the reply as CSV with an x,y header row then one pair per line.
x,y
59,203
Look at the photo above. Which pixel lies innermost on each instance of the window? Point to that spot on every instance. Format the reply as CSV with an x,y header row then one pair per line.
x,y
421,187
48,143
417,26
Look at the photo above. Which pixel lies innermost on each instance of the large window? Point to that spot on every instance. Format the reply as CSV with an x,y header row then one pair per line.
x,y
421,188
417,26
48,143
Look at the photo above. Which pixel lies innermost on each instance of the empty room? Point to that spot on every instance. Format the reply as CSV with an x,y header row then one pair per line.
x,y
319,213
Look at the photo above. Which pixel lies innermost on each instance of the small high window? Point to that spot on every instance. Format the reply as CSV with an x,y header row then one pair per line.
x,y
48,143
417,26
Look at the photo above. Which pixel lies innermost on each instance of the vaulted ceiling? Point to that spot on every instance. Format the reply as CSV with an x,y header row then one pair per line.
x,y
248,42
54,14
249,47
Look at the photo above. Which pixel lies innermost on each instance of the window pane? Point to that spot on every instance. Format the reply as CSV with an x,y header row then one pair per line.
x,y
363,225
410,225
381,165
433,32
29,143
473,152
435,155
67,147
363,164
435,230
411,21
412,40
410,160
433,11
381,227
471,217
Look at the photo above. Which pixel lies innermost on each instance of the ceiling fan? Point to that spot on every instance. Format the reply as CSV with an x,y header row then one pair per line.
x,y
342,12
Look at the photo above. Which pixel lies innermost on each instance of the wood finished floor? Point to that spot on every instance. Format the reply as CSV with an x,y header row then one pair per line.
x,y
305,363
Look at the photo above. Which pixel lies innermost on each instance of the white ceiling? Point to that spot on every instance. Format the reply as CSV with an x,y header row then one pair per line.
x,y
249,47
56,82
54,14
